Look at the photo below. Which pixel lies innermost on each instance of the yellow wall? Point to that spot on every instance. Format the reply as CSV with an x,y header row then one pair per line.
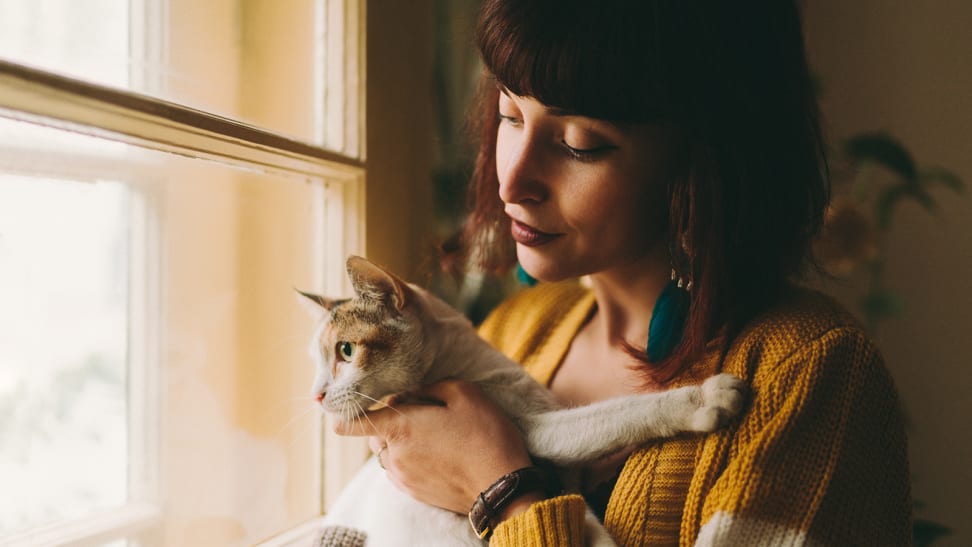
x,y
907,67
400,129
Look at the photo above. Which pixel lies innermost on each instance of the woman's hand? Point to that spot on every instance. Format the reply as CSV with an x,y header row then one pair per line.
x,y
443,445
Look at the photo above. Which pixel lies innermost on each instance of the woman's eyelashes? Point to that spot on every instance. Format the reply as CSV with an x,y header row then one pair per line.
x,y
585,154
511,120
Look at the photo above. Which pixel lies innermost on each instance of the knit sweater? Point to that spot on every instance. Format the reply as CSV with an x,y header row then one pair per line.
x,y
817,458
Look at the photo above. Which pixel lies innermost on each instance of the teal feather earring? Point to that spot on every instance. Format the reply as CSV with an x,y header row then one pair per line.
x,y
668,318
523,277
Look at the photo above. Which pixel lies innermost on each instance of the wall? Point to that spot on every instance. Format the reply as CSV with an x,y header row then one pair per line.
x,y
399,140
906,67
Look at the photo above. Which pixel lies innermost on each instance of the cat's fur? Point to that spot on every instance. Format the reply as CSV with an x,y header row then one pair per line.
x,y
406,338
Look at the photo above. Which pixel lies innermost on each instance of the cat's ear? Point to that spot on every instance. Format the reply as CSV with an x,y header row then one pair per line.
x,y
372,281
316,304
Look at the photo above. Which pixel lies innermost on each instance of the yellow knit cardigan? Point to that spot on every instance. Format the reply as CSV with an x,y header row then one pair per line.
x,y
818,457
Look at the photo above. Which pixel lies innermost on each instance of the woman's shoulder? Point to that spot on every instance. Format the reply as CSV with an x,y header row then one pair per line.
x,y
802,313
806,328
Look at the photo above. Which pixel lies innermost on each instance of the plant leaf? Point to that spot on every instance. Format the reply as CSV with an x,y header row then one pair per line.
x,y
925,532
940,175
923,197
882,148
884,205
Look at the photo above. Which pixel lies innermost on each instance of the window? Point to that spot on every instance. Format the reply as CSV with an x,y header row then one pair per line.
x,y
65,338
165,183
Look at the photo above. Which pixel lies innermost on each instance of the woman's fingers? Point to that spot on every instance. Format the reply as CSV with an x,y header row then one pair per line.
x,y
376,444
384,422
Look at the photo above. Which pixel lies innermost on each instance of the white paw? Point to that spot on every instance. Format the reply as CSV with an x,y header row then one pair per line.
x,y
723,396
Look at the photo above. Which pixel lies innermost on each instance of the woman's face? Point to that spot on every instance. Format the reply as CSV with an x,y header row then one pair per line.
x,y
585,196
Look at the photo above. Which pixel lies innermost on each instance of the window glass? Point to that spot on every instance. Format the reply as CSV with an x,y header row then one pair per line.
x,y
63,322
85,39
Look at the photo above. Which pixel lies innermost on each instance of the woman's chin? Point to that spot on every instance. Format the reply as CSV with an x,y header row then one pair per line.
x,y
542,268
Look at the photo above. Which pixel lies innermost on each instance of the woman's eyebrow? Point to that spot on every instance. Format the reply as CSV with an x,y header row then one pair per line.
x,y
552,110
559,111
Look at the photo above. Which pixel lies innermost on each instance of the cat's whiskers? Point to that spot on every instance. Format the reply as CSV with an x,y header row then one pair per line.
x,y
348,413
361,416
382,403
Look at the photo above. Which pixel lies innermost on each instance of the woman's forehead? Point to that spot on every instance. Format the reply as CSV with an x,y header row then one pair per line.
x,y
564,112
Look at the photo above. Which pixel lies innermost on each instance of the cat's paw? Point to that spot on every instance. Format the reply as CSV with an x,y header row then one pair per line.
x,y
723,396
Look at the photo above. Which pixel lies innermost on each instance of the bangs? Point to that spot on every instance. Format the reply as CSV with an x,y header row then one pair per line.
x,y
542,49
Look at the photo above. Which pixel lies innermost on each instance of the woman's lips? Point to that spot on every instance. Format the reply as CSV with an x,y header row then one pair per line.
x,y
528,235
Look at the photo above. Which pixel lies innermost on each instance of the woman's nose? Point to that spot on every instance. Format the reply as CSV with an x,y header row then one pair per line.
x,y
519,168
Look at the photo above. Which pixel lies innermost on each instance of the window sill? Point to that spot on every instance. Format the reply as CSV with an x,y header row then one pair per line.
x,y
95,530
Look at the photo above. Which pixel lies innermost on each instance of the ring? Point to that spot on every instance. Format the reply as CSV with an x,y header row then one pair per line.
x,y
378,455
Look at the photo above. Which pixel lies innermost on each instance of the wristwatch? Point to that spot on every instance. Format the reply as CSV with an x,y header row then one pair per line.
x,y
494,499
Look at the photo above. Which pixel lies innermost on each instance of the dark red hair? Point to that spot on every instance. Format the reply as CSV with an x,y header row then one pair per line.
x,y
732,77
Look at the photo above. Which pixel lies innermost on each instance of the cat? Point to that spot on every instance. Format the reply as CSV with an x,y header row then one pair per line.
x,y
395,337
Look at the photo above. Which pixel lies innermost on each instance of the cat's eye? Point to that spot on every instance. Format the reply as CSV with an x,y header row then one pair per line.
x,y
345,350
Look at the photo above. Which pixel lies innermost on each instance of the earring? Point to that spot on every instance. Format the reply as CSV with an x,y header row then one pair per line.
x,y
681,282
668,318
523,277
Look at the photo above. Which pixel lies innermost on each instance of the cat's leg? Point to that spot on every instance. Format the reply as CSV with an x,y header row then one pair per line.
x,y
580,434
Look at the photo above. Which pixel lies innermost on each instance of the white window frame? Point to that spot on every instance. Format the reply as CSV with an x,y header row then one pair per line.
x,y
49,99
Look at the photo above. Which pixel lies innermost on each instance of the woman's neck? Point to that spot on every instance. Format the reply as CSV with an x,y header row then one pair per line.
x,y
597,365
625,300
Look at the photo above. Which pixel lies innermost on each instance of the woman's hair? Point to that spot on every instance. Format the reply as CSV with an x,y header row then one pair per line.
x,y
732,77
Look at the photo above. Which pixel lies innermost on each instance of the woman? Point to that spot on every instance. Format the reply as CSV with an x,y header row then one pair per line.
x,y
636,143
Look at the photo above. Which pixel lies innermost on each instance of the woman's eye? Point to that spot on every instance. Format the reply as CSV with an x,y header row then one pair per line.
x,y
511,120
585,154
345,350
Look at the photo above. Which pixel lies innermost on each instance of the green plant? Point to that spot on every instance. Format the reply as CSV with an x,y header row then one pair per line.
x,y
876,175
925,532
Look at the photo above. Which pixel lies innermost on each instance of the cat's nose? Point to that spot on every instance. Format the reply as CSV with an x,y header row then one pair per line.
x,y
319,397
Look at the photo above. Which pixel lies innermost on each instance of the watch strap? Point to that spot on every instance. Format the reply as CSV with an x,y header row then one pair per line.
x,y
494,499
